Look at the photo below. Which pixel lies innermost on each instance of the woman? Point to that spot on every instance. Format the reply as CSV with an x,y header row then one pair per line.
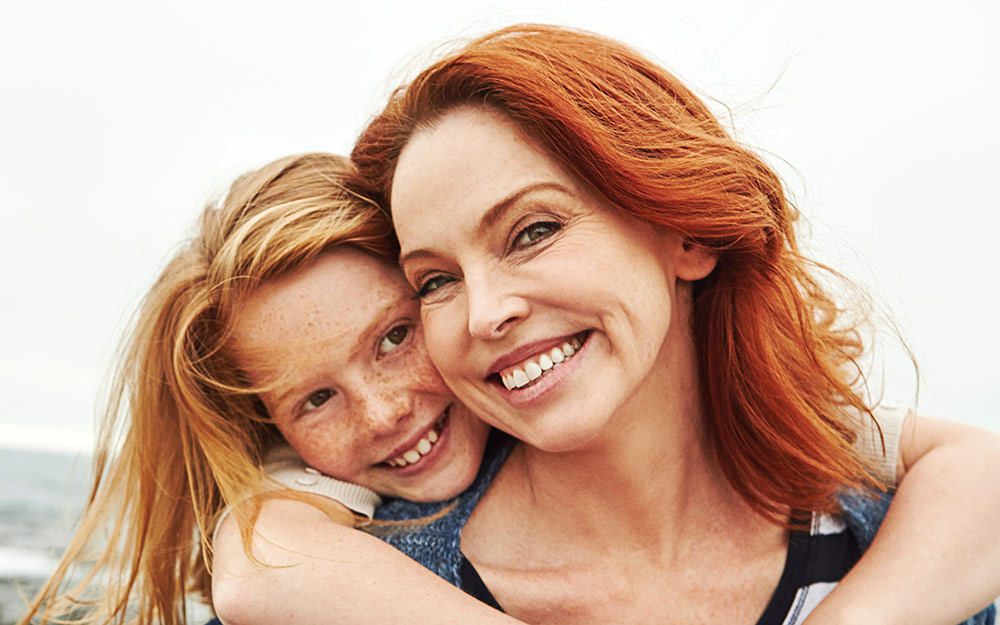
x,y
550,186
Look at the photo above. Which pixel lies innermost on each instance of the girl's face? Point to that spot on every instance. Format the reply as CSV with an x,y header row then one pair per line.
x,y
544,308
339,348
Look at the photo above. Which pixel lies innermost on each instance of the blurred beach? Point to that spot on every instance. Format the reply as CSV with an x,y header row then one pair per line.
x,y
41,496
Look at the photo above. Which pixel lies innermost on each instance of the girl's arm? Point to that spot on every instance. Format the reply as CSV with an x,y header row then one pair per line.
x,y
321,570
936,557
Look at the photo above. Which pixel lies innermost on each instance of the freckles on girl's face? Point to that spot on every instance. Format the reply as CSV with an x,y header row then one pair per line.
x,y
337,346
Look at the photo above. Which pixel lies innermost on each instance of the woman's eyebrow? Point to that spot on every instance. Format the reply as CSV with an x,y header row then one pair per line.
x,y
495,213
498,210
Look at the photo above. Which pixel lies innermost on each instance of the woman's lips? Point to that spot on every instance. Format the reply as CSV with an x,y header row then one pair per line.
x,y
548,381
532,369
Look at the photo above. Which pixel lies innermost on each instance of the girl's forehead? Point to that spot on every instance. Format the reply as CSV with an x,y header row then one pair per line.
x,y
329,304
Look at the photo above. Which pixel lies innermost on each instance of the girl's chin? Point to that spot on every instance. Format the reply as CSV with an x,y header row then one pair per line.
x,y
439,492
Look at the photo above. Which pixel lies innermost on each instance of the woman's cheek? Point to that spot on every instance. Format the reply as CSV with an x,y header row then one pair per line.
x,y
440,338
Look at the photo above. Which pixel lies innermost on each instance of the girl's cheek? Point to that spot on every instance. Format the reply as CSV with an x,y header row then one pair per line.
x,y
424,375
417,372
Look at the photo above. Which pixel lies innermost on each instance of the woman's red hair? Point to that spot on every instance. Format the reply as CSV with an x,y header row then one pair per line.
x,y
775,355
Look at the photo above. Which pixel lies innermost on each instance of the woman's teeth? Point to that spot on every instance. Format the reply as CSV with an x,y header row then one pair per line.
x,y
534,368
423,446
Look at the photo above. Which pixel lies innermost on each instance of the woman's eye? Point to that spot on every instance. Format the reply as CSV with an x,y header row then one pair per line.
x,y
393,339
535,233
317,399
432,284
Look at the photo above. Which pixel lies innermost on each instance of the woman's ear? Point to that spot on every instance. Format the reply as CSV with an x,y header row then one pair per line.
x,y
694,262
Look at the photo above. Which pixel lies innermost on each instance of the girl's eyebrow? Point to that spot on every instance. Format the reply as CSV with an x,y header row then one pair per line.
x,y
494,214
376,321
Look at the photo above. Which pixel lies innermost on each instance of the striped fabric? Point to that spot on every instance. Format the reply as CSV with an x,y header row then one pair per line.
x,y
817,560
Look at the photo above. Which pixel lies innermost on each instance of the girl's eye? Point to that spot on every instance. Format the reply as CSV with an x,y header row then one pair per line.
x,y
317,399
393,339
432,284
535,232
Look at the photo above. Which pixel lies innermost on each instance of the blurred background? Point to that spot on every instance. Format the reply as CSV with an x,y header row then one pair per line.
x,y
119,120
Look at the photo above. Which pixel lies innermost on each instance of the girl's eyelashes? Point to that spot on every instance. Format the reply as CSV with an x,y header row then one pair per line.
x,y
393,339
534,233
316,399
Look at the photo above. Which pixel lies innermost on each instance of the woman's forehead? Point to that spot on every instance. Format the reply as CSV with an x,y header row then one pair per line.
x,y
468,162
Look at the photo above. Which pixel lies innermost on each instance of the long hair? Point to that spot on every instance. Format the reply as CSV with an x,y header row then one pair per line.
x,y
777,356
183,435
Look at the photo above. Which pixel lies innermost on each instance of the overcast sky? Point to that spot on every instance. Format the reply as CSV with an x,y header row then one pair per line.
x,y
120,119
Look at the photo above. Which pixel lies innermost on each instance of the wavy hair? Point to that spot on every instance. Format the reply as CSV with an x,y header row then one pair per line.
x,y
184,435
778,359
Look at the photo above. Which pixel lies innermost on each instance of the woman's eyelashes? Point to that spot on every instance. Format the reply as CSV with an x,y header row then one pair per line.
x,y
534,233
426,286
527,237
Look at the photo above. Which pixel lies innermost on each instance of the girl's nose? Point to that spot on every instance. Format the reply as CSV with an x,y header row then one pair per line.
x,y
386,408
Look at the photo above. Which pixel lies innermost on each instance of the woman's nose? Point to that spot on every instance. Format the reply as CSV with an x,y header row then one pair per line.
x,y
493,306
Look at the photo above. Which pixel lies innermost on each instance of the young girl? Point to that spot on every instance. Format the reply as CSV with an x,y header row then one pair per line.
x,y
280,321
228,360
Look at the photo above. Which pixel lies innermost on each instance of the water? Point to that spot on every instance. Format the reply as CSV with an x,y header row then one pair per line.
x,y
41,496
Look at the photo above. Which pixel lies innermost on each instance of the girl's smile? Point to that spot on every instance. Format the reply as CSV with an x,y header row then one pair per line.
x,y
338,350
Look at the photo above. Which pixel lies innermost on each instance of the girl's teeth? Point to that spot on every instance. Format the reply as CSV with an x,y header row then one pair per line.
x,y
423,446
568,349
557,355
545,363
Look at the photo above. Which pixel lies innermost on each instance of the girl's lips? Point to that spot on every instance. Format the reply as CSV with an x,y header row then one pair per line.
x,y
415,453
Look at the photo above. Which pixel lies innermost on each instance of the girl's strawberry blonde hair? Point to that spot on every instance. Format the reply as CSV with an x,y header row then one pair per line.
x,y
183,434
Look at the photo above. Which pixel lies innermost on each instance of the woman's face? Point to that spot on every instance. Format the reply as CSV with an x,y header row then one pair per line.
x,y
544,308
350,385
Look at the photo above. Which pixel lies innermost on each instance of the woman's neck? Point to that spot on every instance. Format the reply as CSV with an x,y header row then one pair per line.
x,y
648,477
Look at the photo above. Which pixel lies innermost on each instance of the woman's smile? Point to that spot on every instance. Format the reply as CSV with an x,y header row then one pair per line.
x,y
544,308
531,370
